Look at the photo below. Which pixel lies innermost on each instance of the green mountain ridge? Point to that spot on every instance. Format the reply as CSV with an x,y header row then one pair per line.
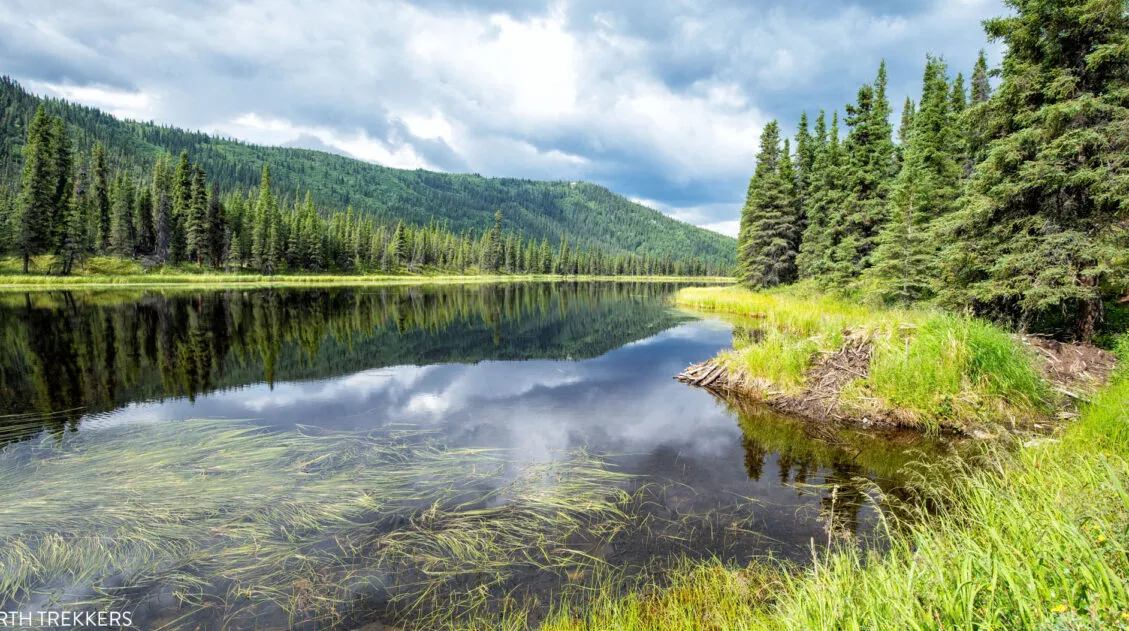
x,y
586,214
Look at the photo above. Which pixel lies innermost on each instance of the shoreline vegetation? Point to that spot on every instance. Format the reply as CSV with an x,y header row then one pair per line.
x,y
110,272
1031,538
813,355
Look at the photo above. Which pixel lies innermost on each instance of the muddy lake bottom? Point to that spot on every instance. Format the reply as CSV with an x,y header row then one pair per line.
x,y
415,456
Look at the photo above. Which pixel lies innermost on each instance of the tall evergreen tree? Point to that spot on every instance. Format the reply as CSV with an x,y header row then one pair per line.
x,y
806,148
196,228
162,211
143,221
1034,239
101,218
981,87
767,255
75,239
63,167
975,123
817,244
868,175
37,191
904,263
260,221
181,208
121,230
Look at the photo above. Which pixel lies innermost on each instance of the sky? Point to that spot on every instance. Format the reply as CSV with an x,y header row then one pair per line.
x,y
659,100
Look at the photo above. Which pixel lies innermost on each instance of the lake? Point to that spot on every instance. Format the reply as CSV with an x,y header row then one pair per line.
x,y
415,456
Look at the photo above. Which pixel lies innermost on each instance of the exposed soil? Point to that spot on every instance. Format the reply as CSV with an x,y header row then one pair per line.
x,y
1074,370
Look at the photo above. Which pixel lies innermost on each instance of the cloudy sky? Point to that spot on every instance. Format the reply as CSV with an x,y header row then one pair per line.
x,y
660,100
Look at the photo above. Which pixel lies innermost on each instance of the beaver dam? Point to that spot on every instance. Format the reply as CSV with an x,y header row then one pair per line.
x,y
895,368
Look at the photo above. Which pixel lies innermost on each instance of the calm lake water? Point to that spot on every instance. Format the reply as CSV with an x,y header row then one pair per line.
x,y
272,458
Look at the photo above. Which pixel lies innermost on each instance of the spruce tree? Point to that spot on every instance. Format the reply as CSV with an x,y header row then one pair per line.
x,y
806,148
1034,238
981,87
121,230
162,212
496,255
260,218
143,223
181,207
398,246
546,257
101,194
37,191
975,123
767,255
75,239
63,167
196,229
868,174
904,263
814,258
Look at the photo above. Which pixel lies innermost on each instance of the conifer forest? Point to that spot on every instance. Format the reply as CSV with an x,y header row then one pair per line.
x,y
1003,192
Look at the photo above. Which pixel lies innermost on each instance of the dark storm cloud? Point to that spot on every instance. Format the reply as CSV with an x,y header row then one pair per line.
x,y
659,100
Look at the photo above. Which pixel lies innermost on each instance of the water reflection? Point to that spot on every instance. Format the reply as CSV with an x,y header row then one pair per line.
x,y
68,354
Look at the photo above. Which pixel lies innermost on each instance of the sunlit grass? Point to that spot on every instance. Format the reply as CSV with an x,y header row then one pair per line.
x,y
112,271
934,370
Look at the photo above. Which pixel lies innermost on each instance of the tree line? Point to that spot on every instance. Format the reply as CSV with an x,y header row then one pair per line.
x,y
74,208
1009,203
589,215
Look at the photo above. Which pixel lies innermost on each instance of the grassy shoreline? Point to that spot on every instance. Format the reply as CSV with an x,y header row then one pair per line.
x,y
1035,537
225,280
916,368
1039,539
110,272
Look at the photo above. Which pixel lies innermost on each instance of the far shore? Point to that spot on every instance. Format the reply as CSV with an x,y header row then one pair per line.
x,y
31,282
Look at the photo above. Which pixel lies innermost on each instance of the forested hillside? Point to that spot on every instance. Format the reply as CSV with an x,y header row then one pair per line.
x,y
1010,203
585,214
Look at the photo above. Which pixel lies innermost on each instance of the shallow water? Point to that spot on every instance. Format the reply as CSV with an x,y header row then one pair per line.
x,y
485,408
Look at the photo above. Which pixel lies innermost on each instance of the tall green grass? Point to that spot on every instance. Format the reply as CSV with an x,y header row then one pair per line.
x,y
958,368
929,369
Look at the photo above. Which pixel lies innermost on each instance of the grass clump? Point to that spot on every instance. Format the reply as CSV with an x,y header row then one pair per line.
x,y
927,369
953,368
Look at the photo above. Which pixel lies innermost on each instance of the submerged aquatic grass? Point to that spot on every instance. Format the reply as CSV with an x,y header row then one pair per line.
x,y
226,521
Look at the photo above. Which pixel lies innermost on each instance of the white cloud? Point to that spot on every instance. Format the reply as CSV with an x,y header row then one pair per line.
x,y
120,103
729,228
274,131
662,99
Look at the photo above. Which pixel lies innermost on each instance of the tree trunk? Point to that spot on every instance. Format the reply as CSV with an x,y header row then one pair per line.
x,y
26,261
1090,314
